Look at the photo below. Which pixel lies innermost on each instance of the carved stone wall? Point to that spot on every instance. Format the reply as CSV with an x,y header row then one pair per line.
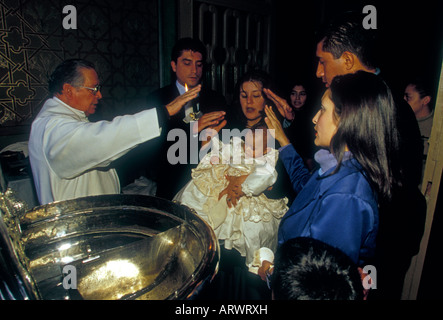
x,y
120,37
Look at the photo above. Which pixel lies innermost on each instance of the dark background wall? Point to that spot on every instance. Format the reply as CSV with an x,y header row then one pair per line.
x,y
410,33
130,42
120,37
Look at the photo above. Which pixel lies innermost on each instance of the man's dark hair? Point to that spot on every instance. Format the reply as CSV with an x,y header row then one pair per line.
x,y
346,33
186,44
309,269
68,72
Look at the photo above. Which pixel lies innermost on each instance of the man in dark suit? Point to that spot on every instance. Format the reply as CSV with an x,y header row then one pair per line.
x,y
178,146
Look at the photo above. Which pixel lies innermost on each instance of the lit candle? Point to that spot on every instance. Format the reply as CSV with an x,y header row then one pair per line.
x,y
189,108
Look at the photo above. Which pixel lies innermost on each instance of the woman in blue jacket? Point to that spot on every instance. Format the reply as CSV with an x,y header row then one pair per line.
x,y
338,204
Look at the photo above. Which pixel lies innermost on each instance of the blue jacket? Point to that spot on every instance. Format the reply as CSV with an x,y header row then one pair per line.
x,y
340,209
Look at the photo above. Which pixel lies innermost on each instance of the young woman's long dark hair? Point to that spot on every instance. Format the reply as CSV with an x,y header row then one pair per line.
x,y
367,126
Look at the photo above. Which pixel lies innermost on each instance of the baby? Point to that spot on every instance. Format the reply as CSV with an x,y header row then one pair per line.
x,y
253,222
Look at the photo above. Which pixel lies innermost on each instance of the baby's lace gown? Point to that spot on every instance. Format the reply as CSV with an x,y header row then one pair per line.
x,y
253,222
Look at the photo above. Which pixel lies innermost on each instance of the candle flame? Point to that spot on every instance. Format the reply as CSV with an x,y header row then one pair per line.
x,y
186,87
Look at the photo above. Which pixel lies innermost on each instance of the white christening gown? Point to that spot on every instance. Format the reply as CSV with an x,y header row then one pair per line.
x,y
253,222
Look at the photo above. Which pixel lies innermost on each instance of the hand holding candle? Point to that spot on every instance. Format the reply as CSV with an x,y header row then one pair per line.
x,y
194,114
175,106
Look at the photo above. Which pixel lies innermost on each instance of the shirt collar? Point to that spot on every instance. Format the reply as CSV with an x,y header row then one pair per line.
x,y
327,160
79,113
181,89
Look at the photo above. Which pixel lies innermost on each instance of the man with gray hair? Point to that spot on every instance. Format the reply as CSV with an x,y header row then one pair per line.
x,y
70,157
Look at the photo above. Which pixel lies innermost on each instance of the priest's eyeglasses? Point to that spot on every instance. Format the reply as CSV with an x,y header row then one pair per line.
x,y
93,90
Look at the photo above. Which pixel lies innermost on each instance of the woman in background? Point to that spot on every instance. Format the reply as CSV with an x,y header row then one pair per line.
x,y
297,122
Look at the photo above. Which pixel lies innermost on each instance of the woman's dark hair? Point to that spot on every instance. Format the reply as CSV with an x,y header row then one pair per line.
x,y
254,76
367,126
68,72
299,82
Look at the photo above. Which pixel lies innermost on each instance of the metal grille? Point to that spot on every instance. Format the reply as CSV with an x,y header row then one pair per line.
x,y
237,37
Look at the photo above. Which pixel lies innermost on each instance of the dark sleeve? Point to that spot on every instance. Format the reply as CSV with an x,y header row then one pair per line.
x,y
282,187
163,117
